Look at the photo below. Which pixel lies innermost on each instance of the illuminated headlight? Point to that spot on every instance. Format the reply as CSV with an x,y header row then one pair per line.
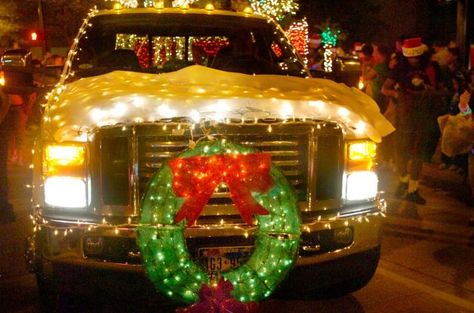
x,y
361,185
66,192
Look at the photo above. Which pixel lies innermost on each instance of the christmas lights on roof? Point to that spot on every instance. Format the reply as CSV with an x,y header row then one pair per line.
x,y
275,8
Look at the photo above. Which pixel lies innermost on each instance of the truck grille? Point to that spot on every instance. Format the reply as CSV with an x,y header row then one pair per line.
x,y
288,153
310,158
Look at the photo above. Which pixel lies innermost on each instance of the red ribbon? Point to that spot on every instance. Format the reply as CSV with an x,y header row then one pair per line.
x,y
196,179
218,300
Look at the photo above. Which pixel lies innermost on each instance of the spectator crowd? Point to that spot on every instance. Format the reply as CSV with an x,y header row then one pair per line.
x,y
425,92
20,114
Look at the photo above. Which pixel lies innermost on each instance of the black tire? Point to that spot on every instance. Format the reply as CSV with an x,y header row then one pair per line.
x,y
331,279
48,292
356,282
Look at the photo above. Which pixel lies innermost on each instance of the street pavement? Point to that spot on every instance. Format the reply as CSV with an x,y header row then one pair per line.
x,y
446,215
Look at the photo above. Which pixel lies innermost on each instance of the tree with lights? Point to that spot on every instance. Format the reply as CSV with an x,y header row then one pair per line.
x,y
329,38
8,21
275,8
298,35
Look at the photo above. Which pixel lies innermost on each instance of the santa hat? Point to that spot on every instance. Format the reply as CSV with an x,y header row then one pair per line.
x,y
413,47
358,46
314,40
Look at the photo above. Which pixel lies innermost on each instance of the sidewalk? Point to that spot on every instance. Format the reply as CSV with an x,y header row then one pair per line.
x,y
445,217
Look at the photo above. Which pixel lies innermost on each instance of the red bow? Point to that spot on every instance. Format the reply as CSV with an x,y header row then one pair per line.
x,y
218,300
196,178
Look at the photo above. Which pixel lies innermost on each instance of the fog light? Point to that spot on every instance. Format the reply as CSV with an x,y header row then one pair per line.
x,y
343,236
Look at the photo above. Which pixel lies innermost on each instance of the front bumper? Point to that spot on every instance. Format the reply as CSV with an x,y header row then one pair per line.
x,y
58,243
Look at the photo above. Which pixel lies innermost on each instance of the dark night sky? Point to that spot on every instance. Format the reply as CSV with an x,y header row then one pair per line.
x,y
384,20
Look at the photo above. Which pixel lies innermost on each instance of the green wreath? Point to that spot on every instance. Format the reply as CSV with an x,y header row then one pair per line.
x,y
162,242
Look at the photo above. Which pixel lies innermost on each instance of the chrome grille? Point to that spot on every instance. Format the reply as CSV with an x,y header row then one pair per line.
x,y
289,153
310,155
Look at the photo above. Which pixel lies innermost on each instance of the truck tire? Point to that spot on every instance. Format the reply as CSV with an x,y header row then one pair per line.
x,y
355,282
331,279
48,293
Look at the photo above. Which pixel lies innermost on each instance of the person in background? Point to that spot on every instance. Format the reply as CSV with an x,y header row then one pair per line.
x,y
465,106
20,110
412,83
367,63
461,86
6,209
440,53
375,76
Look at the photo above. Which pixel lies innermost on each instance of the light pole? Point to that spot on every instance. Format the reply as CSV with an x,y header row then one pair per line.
x,y
41,27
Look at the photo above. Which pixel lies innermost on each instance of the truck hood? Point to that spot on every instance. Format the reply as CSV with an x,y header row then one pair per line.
x,y
204,94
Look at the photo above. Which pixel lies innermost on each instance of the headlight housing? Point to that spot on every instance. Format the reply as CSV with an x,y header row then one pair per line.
x,y
361,155
360,181
65,176
360,185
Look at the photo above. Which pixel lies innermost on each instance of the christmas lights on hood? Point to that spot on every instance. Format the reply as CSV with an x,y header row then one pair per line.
x,y
204,94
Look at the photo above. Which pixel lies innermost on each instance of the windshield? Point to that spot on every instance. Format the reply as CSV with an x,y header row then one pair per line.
x,y
156,43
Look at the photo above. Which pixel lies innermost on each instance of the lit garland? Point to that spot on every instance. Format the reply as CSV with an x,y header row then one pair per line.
x,y
329,41
126,3
180,3
162,240
298,35
151,3
211,45
275,8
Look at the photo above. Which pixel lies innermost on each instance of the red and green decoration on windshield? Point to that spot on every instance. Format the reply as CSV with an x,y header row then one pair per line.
x,y
176,196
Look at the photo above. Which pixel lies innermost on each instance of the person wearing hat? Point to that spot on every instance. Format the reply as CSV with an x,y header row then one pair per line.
x,y
6,209
412,84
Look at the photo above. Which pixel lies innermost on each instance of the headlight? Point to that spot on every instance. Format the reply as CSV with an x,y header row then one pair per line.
x,y
65,176
67,192
361,185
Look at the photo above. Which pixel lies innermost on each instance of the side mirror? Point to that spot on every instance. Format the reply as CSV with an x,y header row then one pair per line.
x,y
17,70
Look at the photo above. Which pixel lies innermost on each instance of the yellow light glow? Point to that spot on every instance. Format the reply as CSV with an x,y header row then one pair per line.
x,y
159,4
117,6
2,79
362,150
209,7
248,10
65,155
361,83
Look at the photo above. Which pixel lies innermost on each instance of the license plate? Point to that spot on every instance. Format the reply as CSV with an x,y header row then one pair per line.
x,y
223,258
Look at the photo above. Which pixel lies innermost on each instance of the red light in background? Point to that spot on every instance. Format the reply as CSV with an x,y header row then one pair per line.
x,y
34,36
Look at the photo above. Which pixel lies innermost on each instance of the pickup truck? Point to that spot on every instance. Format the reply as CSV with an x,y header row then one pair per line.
x,y
138,86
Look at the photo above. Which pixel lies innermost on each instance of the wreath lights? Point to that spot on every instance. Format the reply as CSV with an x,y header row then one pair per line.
x,y
161,237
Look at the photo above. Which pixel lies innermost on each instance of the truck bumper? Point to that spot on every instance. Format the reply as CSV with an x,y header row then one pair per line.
x,y
59,249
